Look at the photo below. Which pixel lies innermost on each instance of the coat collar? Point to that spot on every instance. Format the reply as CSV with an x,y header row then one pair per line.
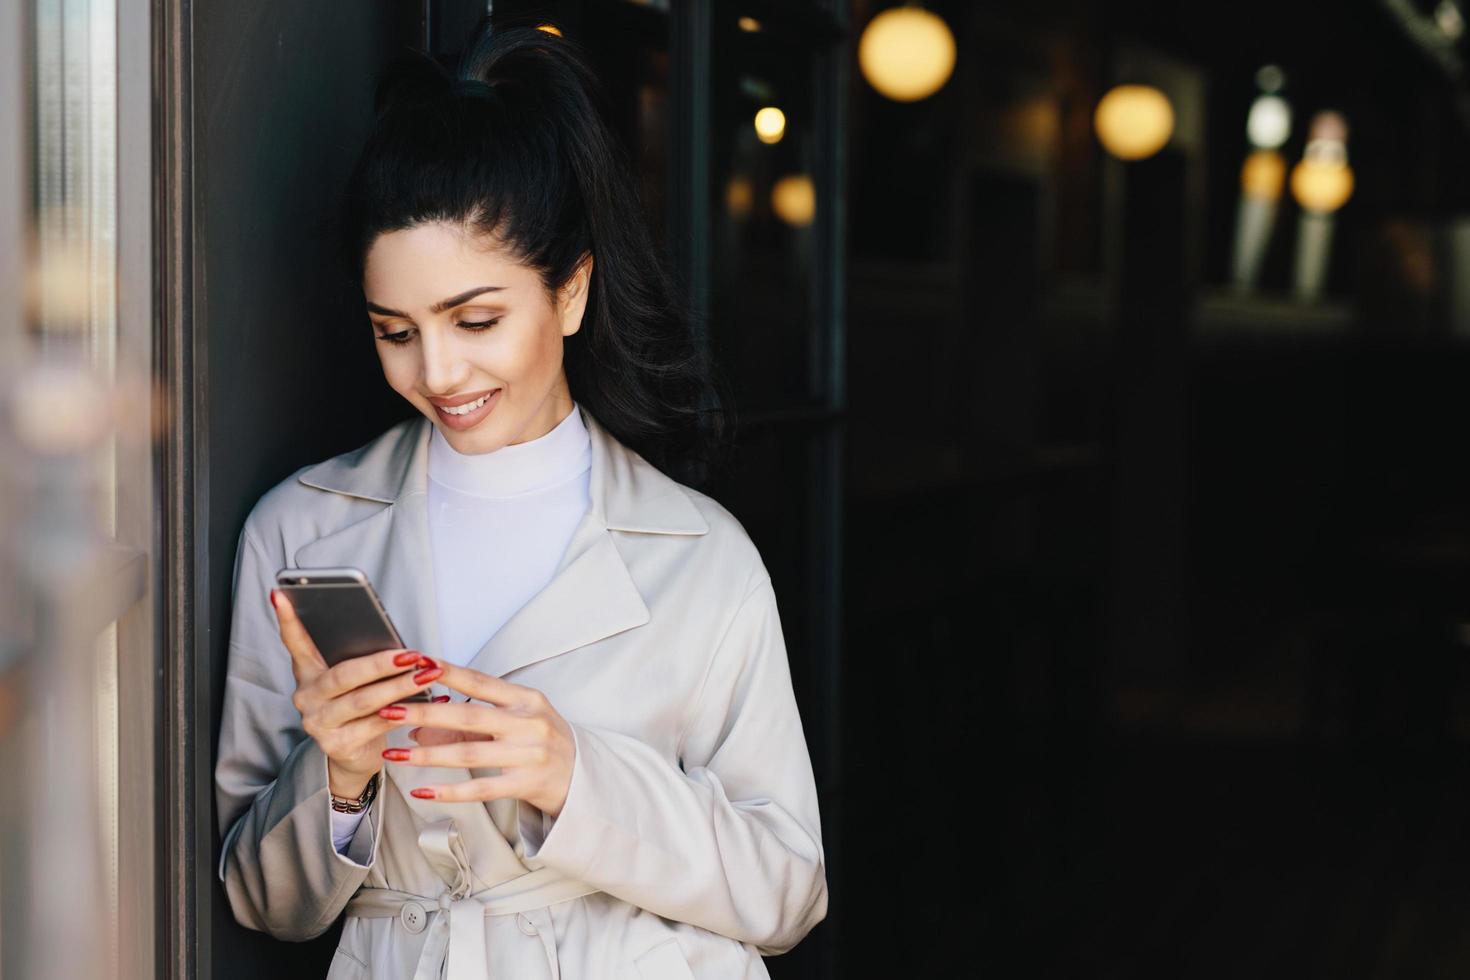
x,y
628,493
592,594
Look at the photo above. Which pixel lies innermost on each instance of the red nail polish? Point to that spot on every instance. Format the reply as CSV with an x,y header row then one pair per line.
x,y
427,676
439,699
429,662
423,793
407,658
273,597
393,712
396,755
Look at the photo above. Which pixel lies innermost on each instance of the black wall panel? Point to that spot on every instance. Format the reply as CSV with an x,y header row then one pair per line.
x,y
282,100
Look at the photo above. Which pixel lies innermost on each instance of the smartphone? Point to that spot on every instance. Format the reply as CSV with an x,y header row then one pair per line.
x,y
342,612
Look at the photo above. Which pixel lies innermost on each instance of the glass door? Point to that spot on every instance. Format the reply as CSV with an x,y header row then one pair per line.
x,y
77,655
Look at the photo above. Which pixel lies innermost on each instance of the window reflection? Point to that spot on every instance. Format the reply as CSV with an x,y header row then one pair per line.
x,y
764,202
67,832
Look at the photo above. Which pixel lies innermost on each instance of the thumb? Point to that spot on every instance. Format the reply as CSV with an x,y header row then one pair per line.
x,y
306,660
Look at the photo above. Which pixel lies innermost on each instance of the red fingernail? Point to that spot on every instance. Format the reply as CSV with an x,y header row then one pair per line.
x,y
406,659
439,699
423,793
393,712
427,661
427,676
396,755
273,597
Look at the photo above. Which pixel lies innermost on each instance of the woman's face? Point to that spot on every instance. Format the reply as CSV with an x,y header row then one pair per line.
x,y
469,335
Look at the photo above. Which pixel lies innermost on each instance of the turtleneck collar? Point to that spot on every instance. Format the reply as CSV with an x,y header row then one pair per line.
x,y
511,471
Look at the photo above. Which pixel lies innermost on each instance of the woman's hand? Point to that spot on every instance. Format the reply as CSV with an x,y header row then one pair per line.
x,y
339,705
516,730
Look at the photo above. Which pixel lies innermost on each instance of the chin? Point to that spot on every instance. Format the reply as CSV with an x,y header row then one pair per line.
x,y
471,441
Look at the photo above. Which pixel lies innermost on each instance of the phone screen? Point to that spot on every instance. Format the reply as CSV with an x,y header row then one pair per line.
x,y
340,611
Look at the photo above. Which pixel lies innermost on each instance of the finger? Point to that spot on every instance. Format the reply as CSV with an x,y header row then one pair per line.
x,y
306,659
472,790
468,754
355,734
439,736
487,687
356,672
376,697
461,716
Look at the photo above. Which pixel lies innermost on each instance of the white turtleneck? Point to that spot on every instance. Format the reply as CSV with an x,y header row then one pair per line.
x,y
499,524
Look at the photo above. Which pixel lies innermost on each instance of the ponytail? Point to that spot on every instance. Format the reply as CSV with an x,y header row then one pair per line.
x,y
515,143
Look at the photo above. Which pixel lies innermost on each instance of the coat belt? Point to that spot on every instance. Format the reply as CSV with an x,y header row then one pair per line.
x,y
454,948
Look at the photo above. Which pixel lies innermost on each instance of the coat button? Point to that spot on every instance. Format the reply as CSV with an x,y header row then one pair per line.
x,y
414,917
527,926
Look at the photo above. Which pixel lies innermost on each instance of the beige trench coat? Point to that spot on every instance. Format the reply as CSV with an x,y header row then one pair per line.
x,y
690,842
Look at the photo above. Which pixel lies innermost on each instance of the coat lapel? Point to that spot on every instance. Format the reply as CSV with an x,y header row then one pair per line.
x,y
391,545
591,595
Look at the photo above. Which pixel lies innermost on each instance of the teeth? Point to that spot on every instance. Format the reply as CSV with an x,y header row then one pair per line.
x,y
467,409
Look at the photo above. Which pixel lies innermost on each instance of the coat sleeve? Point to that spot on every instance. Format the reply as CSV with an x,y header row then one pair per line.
x,y
730,839
281,871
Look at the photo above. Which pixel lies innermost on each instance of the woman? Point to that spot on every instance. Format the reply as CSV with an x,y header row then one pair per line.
x,y
611,779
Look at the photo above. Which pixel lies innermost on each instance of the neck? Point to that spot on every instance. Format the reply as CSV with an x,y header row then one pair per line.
x,y
517,469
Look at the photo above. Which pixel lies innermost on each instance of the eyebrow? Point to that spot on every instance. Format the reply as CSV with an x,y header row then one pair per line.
x,y
439,307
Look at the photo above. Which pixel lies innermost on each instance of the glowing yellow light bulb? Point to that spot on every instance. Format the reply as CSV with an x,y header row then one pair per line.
x,y
794,200
1263,175
770,124
1134,122
1321,186
739,196
906,53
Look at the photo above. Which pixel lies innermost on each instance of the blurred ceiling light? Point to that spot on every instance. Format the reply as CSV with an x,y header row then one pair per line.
x,y
739,196
1322,182
1270,79
550,29
1268,126
749,24
770,124
1451,22
1263,176
1134,121
906,53
794,200
1321,187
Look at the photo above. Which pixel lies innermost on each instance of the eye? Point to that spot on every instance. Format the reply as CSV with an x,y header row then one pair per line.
x,y
401,337
479,324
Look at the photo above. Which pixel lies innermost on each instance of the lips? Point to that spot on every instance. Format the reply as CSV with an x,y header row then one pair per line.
x,y
452,416
459,400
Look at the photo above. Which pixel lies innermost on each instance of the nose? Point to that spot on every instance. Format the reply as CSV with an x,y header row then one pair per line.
x,y
444,371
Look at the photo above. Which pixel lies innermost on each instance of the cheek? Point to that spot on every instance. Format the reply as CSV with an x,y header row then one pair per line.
x,y
400,367
534,354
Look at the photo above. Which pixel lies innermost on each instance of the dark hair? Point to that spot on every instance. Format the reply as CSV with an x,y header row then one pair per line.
x,y
516,143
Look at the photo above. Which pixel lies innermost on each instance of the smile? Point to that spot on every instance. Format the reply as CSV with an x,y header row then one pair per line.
x,y
467,409
469,414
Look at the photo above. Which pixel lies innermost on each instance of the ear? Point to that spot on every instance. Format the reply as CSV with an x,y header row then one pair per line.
x,y
572,299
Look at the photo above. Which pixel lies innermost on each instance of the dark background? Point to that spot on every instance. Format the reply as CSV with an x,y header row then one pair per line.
x,y
1127,612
